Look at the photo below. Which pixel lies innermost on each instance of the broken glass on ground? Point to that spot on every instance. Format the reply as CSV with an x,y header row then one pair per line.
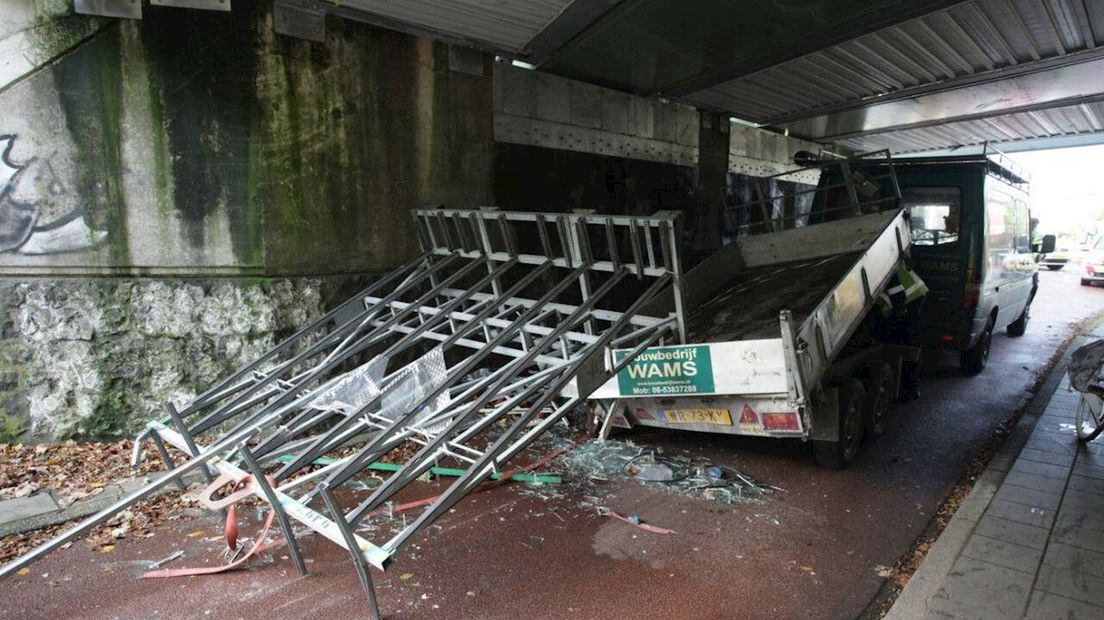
x,y
605,461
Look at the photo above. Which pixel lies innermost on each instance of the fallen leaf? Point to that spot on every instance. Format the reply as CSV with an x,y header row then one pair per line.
x,y
107,548
405,576
195,533
23,571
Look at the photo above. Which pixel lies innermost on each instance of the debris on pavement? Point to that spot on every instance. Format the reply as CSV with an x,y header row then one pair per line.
x,y
165,560
605,461
138,521
235,560
532,542
71,470
635,521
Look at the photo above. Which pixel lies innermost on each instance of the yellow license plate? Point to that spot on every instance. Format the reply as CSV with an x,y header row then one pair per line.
x,y
698,416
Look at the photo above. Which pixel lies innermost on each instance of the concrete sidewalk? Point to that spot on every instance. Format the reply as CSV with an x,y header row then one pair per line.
x,y
42,510
1029,540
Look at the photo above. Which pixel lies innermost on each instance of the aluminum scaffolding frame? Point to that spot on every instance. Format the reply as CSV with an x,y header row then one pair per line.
x,y
470,352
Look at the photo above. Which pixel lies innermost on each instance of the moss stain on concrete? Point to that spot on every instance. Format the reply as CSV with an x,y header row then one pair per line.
x,y
89,86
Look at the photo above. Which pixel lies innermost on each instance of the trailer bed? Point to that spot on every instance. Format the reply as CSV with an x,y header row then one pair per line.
x,y
747,306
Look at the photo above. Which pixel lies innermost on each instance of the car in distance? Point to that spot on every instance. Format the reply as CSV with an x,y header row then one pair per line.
x,y
1092,264
1058,258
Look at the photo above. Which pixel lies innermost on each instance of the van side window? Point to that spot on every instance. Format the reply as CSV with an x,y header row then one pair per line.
x,y
1002,223
935,213
1000,219
1023,228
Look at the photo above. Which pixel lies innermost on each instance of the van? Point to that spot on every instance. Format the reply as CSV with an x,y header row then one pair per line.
x,y
972,245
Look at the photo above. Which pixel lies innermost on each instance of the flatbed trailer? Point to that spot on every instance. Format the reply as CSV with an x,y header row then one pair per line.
x,y
778,342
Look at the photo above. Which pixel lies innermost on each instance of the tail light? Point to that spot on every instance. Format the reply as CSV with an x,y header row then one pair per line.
x,y
1089,268
973,288
781,422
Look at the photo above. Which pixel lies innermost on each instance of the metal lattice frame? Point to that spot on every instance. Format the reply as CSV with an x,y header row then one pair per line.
x,y
505,321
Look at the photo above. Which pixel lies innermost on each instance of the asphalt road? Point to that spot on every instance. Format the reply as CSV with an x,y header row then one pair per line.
x,y
813,550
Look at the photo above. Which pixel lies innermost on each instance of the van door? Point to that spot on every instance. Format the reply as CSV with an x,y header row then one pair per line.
x,y
1010,270
1025,266
938,244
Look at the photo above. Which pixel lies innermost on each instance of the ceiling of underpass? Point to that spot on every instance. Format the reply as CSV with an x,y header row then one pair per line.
x,y
907,75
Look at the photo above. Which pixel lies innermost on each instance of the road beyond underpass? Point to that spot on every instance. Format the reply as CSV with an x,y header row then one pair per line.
x,y
819,548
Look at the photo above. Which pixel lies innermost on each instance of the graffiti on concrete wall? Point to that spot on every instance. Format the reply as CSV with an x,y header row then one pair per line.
x,y
39,214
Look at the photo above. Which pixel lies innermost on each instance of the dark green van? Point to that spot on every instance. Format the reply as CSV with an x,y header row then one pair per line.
x,y
971,243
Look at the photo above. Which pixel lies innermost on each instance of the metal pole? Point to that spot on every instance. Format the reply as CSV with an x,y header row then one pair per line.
x,y
281,515
107,513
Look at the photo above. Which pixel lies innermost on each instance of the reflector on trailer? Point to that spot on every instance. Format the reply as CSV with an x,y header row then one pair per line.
x,y
781,421
748,415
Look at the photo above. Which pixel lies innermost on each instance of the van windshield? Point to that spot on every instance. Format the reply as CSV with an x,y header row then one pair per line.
x,y
935,213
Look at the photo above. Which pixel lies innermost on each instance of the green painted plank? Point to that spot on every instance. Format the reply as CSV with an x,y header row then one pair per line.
x,y
438,471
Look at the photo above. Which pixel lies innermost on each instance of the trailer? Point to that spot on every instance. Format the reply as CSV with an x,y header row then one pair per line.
x,y
778,336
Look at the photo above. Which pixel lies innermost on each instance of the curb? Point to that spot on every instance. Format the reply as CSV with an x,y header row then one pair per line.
x,y
82,508
912,600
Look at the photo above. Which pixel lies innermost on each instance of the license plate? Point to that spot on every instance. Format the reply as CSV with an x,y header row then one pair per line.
x,y
698,416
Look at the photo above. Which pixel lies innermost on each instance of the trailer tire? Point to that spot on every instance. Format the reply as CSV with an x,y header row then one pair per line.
x,y
841,453
880,390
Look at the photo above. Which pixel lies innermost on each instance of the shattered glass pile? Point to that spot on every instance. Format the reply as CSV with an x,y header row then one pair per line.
x,y
608,461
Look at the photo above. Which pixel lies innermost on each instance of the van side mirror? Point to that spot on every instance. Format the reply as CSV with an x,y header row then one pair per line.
x,y
1047,246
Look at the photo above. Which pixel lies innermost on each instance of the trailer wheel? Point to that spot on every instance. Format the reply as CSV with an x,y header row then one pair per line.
x,y
840,454
879,387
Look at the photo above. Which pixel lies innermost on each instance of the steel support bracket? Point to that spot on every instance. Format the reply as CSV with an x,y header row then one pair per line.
x,y
204,5
302,19
127,9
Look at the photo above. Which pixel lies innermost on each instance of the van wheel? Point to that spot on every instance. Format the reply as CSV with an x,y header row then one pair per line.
x,y
879,387
1019,326
840,454
973,360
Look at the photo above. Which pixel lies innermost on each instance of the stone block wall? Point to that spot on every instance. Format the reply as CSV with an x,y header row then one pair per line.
x,y
96,358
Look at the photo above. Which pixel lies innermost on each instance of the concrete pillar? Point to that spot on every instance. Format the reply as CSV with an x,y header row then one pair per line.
x,y
708,220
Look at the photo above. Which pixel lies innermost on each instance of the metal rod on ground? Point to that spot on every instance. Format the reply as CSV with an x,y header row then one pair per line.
x,y
183,430
281,515
165,456
354,550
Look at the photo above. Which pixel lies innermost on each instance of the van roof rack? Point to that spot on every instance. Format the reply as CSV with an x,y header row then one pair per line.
x,y
997,163
1003,167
